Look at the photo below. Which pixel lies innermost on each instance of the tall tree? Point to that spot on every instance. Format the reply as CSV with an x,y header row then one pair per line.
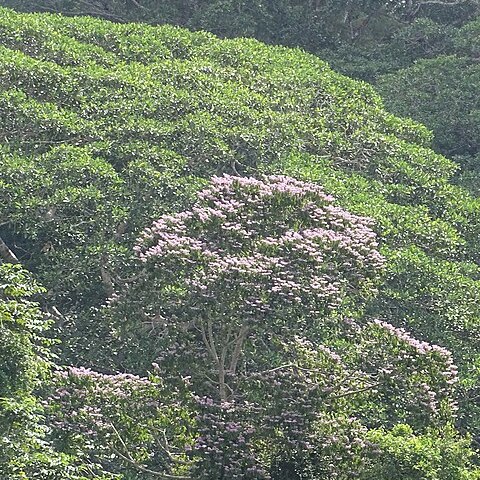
x,y
24,366
247,294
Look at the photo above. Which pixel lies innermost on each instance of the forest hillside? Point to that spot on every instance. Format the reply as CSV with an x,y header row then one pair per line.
x,y
240,265
422,55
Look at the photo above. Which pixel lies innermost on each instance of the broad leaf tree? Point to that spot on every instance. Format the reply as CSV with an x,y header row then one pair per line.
x,y
25,362
255,296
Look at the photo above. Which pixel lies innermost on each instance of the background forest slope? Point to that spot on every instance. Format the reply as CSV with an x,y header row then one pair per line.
x,y
422,55
105,127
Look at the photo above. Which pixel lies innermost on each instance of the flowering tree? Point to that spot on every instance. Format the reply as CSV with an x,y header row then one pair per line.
x,y
119,424
253,258
233,287
249,292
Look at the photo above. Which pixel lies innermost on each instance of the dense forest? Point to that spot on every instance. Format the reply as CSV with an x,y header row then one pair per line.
x,y
423,55
221,257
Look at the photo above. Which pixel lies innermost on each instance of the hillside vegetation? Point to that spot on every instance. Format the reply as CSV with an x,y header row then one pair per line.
x,y
104,129
379,41
442,92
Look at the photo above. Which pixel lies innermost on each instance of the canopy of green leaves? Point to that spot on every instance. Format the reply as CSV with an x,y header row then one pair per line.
x,y
105,127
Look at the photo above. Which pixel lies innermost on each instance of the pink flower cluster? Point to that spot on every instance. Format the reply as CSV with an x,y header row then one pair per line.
x,y
84,399
421,374
97,377
274,240
421,347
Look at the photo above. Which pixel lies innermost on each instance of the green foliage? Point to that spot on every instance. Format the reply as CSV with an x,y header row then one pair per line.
x,y
466,40
413,457
440,89
24,365
442,93
106,127
364,39
22,325
385,454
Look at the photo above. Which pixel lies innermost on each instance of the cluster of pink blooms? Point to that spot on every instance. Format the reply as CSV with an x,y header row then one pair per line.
x,y
117,385
86,401
424,348
225,442
425,376
274,240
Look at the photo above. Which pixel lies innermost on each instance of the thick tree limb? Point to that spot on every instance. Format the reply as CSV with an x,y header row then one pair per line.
x,y
107,280
293,366
355,392
6,254
138,5
413,8
166,449
59,316
238,349
443,2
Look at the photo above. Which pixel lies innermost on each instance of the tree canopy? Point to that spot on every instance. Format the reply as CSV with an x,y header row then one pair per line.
x,y
253,268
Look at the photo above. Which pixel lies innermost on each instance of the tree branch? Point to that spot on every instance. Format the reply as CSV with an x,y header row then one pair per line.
x,y
442,2
127,457
238,349
7,255
354,392
166,449
107,280
143,469
211,351
283,367
138,5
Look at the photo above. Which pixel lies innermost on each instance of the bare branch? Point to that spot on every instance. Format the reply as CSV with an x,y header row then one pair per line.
x,y
127,457
293,366
212,340
107,279
7,255
238,349
166,449
442,2
355,392
138,5
210,350
59,316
